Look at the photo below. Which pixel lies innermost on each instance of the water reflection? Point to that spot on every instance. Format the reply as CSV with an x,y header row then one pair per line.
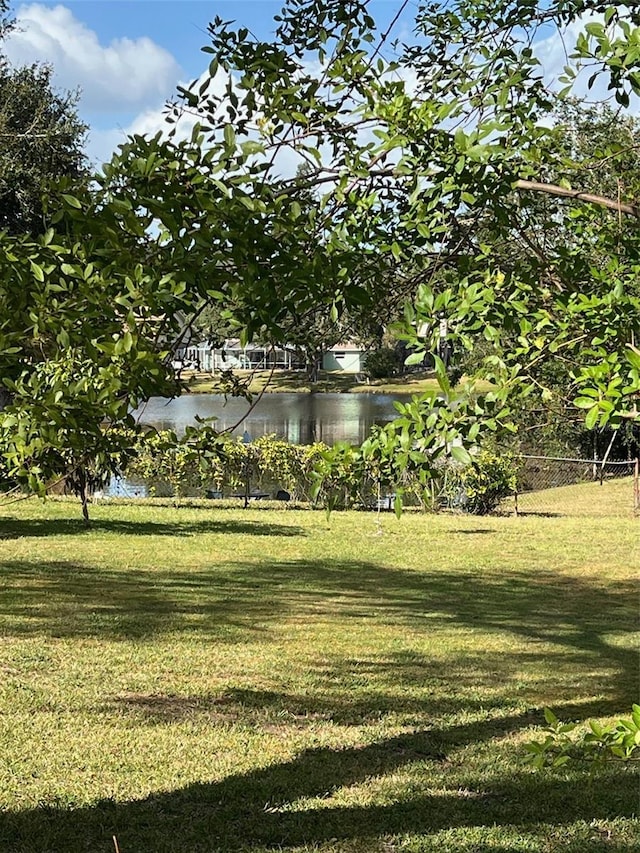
x,y
299,418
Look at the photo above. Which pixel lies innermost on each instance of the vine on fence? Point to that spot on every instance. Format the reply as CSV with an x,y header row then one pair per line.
x,y
207,460
338,477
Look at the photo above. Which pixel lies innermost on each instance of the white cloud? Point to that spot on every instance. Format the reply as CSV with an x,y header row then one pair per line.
x,y
124,84
554,52
103,143
123,75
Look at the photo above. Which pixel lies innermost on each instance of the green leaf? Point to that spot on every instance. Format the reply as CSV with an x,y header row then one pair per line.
x,y
460,454
596,728
229,136
595,29
583,402
592,417
252,147
633,357
441,375
72,201
38,272
397,505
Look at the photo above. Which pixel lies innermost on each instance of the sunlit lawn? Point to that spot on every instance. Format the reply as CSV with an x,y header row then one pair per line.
x,y
209,679
329,381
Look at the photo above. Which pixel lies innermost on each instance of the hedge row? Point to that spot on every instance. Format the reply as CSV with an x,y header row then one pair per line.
x,y
338,477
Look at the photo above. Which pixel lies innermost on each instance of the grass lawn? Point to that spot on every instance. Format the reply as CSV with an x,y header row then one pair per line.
x,y
335,382
209,679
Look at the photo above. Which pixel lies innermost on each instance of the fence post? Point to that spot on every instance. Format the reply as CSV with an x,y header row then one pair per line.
x,y
636,485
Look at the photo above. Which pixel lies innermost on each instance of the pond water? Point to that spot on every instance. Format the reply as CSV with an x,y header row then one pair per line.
x,y
299,418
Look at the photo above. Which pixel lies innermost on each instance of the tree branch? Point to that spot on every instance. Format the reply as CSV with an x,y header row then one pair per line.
x,y
590,198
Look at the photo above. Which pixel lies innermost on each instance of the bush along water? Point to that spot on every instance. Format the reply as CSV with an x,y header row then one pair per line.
x,y
419,459
429,455
346,477
207,461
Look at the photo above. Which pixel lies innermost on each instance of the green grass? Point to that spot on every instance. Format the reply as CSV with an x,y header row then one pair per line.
x,y
608,500
295,381
209,679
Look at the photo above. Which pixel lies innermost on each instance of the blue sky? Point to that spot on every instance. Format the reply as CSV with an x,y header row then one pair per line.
x,y
126,57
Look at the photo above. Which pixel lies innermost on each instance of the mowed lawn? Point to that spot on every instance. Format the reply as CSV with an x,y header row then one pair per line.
x,y
212,679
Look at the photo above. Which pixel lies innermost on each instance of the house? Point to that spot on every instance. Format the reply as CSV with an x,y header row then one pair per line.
x,y
346,357
234,356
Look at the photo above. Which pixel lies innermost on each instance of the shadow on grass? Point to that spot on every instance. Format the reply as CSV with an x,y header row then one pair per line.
x,y
554,615
279,712
541,514
18,528
299,802
292,804
473,531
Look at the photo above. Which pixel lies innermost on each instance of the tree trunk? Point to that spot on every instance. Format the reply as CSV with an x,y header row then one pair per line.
x,y
314,360
5,398
84,497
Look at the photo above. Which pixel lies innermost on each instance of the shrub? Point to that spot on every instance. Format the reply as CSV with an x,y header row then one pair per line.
x,y
280,465
336,477
204,459
167,464
339,477
382,362
480,487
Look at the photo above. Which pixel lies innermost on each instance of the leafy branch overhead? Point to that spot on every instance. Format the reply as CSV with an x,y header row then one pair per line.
x,y
429,165
339,172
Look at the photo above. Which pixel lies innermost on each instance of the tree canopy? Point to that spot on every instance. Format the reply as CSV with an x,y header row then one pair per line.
x,y
425,160
41,139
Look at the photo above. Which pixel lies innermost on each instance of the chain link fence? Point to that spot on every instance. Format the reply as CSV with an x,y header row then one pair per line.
x,y
580,487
